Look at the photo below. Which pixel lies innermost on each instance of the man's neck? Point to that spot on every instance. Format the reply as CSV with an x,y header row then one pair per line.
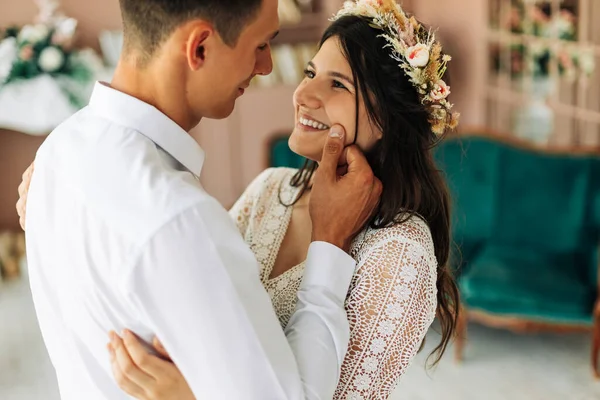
x,y
144,85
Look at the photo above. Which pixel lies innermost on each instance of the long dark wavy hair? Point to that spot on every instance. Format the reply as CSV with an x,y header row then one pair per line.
x,y
402,159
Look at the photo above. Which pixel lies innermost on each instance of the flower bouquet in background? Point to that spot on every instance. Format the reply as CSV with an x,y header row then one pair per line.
x,y
42,49
44,77
555,32
543,46
46,47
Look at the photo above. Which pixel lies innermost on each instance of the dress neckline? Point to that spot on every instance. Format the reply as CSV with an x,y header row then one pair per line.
x,y
288,194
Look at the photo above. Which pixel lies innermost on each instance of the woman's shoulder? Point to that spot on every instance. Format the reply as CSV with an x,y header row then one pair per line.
x,y
274,176
269,183
411,230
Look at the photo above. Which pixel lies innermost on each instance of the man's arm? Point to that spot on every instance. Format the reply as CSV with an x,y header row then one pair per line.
x,y
196,285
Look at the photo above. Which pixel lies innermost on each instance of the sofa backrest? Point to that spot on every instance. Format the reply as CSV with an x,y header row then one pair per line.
x,y
518,196
472,169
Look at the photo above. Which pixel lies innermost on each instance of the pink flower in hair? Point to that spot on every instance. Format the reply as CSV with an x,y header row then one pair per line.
x,y
440,91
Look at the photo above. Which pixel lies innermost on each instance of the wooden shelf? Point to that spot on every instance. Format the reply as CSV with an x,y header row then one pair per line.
x,y
309,29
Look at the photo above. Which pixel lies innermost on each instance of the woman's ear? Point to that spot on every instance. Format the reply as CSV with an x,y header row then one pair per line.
x,y
376,132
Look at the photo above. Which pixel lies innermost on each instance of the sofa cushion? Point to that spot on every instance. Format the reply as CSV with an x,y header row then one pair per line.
x,y
524,282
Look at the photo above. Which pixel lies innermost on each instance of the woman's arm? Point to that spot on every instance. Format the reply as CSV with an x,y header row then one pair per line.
x,y
145,376
391,304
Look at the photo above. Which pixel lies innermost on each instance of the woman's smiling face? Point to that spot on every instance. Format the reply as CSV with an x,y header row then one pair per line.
x,y
325,97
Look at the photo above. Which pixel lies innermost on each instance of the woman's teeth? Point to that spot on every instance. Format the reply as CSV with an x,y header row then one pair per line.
x,y
313,124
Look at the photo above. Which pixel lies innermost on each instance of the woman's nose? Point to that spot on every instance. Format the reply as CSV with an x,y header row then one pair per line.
x,y
308,94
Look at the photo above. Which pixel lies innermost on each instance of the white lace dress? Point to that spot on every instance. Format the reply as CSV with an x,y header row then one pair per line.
x,y
392,298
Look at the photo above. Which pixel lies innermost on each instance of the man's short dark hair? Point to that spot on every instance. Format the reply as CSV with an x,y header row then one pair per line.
x,y
147,23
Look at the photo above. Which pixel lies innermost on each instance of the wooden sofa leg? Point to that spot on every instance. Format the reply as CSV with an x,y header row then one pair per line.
x,y
461,335
596,341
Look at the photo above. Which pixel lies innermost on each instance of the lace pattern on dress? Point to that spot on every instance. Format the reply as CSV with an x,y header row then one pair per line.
x,y
392,298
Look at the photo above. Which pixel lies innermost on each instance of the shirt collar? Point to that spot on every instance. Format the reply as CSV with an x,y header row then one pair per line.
x,y
133,113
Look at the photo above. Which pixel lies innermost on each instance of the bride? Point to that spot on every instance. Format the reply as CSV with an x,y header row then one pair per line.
x,y
378,74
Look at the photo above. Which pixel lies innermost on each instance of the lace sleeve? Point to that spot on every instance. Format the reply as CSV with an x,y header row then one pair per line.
x,y
241,211
391,304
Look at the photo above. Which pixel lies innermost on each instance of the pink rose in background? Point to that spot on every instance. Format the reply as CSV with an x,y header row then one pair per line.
x,y
26,53
440,91
568,16
58,39
61,40
418,55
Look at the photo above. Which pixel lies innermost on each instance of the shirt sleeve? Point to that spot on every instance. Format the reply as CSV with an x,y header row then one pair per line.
x,y
196,285
391,305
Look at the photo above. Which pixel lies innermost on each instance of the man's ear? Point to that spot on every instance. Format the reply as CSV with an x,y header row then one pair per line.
x,y
199,45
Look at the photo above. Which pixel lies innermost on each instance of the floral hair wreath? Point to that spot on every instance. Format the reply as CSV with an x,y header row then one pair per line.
x,y
417,51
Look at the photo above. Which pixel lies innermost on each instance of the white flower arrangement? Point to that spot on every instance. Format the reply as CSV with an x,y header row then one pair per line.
x,y
417,52
51,59
47,48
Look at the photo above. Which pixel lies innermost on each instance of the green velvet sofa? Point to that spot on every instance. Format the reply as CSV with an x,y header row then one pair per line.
x,y
526,227
526,233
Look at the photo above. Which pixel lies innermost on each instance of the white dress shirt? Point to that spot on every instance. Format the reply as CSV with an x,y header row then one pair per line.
x,y
120,234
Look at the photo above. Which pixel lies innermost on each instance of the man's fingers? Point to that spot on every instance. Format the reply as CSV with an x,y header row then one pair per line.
x,y
378,190
128,368
343,160
334,146
356,160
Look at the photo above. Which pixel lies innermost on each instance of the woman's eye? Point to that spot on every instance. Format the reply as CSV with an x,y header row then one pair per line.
x,y
309,74
263,46
339,85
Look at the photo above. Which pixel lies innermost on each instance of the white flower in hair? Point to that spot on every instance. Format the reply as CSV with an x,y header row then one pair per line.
x,y
417,55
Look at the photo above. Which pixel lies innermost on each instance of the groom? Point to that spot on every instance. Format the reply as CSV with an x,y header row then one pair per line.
x,y
120,233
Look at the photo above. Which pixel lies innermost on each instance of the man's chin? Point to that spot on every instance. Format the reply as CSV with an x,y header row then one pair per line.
x,y
222,112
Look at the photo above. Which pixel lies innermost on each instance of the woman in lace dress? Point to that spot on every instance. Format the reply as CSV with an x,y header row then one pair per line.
x,y
402,281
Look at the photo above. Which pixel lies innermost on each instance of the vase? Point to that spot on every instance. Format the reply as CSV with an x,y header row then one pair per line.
x,y
535,121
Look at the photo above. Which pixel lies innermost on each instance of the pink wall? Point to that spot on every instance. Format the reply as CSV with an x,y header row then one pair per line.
x,y
93,15
236,147
462,29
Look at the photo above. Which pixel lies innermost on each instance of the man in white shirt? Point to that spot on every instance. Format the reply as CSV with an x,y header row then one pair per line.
x,y
120,234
